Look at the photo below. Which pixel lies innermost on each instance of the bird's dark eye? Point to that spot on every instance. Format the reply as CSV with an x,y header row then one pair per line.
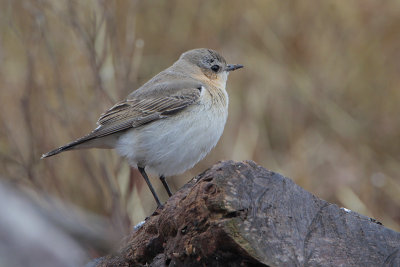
x,y
215,68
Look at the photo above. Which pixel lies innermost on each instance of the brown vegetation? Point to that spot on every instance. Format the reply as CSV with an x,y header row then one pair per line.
x,y
318,100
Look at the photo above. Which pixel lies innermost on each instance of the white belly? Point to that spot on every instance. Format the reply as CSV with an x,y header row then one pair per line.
x,y
173,145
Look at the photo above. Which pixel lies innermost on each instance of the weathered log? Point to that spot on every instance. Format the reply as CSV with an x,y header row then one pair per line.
x,y
240,214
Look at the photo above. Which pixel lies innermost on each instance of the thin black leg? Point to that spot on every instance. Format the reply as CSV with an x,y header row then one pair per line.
x,y
165,184
146,178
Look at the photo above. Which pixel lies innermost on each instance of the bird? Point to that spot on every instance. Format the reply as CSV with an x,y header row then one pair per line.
x,y
171,122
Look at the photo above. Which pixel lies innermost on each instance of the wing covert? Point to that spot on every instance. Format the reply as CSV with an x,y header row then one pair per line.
x,y
135,112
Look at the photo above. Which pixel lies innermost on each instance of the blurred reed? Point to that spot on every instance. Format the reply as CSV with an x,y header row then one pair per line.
x,y
318,99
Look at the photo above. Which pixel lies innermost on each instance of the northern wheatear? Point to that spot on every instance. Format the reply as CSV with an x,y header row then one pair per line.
x,y
171,122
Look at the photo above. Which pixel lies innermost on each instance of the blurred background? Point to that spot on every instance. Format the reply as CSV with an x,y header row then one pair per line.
x,y
318,100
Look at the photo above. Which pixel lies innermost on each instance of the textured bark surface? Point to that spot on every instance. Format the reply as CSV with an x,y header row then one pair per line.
x,y
240,214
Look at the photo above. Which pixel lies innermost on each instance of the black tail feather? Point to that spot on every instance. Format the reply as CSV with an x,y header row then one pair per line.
x,y
66,147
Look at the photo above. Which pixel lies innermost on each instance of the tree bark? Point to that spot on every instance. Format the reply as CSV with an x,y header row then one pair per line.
x,y
240,214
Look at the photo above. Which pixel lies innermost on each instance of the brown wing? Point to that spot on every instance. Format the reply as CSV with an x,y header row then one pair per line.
x,y
133,112
140,108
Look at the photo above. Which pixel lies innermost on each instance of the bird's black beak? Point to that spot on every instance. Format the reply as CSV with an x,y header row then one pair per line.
x,y
231,67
